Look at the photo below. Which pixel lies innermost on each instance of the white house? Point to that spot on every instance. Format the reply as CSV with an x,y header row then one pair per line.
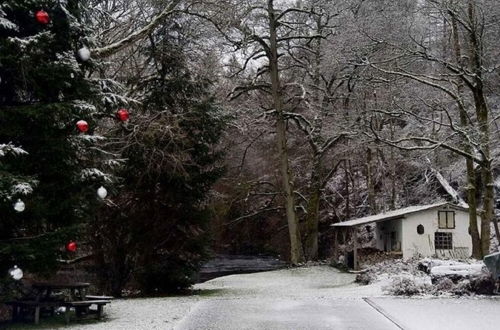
x,y
440,230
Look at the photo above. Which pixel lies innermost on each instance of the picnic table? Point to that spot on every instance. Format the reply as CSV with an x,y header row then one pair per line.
x,y
45,290
50,295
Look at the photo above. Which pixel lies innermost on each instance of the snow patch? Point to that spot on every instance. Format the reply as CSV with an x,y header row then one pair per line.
x,y
429,277
464,270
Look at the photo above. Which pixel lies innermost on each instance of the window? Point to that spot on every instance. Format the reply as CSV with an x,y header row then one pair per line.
x,y
446,219
420,229
443,241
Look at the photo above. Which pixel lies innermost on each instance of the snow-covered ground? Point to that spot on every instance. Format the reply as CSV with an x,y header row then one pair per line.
x,y
442,314
304,298
299,289
286,282
152,313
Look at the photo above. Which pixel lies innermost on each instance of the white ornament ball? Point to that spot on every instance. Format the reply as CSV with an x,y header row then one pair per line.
x,y
84,54
19,206
102,192
16,273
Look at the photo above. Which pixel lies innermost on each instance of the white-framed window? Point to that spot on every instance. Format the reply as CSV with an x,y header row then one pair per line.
x,y
446,219
443,241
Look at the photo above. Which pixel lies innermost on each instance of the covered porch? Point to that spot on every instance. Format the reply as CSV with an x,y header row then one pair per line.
x,y
387,234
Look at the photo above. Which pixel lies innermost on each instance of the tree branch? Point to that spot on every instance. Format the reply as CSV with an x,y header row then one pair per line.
x,y
137,35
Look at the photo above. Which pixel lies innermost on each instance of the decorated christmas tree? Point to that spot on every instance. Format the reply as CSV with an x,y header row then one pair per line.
x,y
50,169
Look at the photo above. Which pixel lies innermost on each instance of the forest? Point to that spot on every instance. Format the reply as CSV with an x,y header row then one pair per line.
x,y
156,134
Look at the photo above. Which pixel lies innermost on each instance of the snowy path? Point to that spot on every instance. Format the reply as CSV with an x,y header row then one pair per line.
x,y
289,313
312,298
304,298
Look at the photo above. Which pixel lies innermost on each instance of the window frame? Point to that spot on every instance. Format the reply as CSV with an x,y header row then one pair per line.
x,y
446,213
444,238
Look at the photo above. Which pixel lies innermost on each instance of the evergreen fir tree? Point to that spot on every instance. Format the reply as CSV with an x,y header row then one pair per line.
x,y
158,232
44,92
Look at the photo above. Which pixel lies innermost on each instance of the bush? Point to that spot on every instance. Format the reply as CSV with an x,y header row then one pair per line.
x,y
444,284
462,288
483,284
340,266
364,278
406,286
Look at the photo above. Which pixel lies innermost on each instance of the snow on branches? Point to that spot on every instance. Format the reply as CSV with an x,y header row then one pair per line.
x,y
5,24
94,174
11,186
10,148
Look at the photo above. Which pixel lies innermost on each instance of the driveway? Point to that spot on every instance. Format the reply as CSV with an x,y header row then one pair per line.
x,y
310,298
295,299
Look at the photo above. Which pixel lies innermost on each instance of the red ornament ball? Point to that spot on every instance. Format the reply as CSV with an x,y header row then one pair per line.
x,y
82,126
42,17
71,246
123,114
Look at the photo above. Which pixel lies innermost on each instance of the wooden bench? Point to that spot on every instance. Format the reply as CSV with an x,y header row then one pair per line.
x,y
82,307
19,305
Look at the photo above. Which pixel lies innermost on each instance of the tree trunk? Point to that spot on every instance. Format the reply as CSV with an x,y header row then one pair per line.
x,y
497,231
471,174
488,210
347,192
482,114
296,252
369,181
472,201
312,218
393,172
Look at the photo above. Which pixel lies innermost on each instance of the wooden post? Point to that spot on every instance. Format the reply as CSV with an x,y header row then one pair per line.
x,y
355,247
37,314
99,311
67,315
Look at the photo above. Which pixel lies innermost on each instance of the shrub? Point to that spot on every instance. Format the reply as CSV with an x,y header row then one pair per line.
x,y
406,286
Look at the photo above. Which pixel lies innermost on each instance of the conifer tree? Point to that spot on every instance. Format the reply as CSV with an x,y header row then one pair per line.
x,y
157,232
45,90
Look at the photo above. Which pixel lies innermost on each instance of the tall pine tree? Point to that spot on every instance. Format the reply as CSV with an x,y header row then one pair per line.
x,y
44,92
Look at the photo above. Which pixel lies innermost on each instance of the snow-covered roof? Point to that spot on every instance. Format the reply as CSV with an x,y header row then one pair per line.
x,y
395,214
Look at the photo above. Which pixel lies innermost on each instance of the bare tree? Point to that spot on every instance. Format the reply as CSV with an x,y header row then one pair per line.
x,y
462,79
322,85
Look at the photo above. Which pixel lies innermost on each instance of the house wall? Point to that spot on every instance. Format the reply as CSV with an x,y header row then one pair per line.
x,y
384,229
414,244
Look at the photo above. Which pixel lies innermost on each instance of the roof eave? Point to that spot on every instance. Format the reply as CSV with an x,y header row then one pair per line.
x,y
345,224
349,223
